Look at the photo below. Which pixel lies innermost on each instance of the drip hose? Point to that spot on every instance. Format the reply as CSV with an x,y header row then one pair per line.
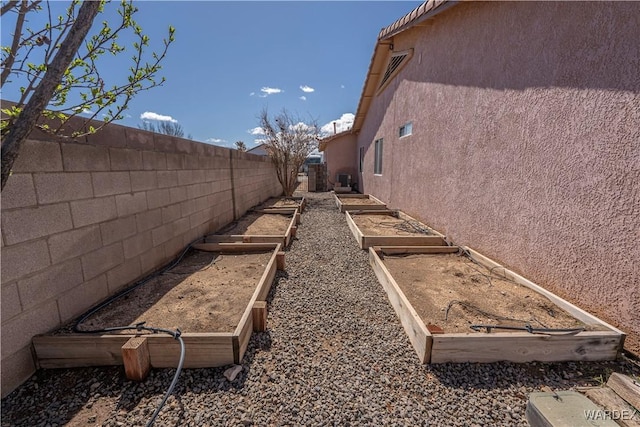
x,y
176,335
528,328
94,310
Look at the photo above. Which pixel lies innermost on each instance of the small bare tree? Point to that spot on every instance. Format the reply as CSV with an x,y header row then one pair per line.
x,y
240,146
164,127
288,142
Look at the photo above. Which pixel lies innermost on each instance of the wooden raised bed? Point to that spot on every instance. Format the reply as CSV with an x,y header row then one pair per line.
x,y
282,205
358,202
260,227
390,228
433,344
203,349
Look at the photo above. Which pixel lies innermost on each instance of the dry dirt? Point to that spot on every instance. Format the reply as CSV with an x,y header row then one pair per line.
x,y
280,203
259,224
432,283
388,225
205,292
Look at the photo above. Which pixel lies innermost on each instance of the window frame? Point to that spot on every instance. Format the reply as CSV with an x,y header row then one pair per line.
x,y
408,125
377,161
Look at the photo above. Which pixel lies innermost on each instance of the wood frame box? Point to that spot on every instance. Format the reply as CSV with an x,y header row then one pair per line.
x,y
283,239
300,204
342,202
365,241
496,346
203,349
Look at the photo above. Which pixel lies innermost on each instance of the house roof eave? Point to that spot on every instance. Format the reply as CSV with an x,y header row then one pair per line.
x,y
425,11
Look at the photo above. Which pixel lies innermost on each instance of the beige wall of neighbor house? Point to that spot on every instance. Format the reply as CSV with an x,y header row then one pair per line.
x,y
525,143
340,154
82,220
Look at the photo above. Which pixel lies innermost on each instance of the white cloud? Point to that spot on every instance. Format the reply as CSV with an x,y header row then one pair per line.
x,y
216,140
252,93
270,91
343,123
256,131
304,98
307,89
259,141
341,86
148,115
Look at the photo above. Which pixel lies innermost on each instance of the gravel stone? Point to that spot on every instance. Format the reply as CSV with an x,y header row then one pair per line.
x,y
334,354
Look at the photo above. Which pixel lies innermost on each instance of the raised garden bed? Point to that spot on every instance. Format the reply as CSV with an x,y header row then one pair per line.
x,y
439,294
209,295
360,202
388,228
259,227
282,205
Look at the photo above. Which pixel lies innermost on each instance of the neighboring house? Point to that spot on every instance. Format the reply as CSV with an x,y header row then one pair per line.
x,y
514,129
341,157
259,150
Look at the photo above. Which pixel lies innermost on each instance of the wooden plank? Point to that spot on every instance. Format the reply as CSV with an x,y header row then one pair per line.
x,y
266,280
368,241
355,230
235,247
610,401
407,250
524,347
203,350
259,314
135,357
242,335
280,261
78,350
626,388
420,337
575,311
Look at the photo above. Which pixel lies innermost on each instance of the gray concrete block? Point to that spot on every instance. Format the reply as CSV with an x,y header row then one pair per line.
x,y
565,409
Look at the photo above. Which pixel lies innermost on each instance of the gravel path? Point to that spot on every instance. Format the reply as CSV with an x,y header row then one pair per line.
x,y
334,354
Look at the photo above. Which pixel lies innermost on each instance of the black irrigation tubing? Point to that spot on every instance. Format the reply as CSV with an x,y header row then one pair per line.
x,y
478,310
140,326
128,290
176,335
530,329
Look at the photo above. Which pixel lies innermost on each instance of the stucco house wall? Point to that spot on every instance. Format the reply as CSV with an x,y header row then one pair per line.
x,y
341,157
80,220
525,144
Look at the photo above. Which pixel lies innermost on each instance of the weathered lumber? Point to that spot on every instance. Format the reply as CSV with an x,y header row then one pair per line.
x,y
625,414
136,360
81,350
626,388
522,347
280,260
413,325
367,241
259,313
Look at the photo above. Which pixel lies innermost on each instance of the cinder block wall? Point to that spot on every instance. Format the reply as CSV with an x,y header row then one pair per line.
x,y
80,220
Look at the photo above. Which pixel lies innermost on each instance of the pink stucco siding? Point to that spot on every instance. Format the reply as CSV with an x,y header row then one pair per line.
x,y
525,144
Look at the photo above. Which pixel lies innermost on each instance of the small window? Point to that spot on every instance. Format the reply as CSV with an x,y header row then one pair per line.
x,y
377,167
406,129
361,159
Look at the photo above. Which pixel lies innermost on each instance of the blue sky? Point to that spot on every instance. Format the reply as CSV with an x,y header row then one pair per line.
x,y
232,59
